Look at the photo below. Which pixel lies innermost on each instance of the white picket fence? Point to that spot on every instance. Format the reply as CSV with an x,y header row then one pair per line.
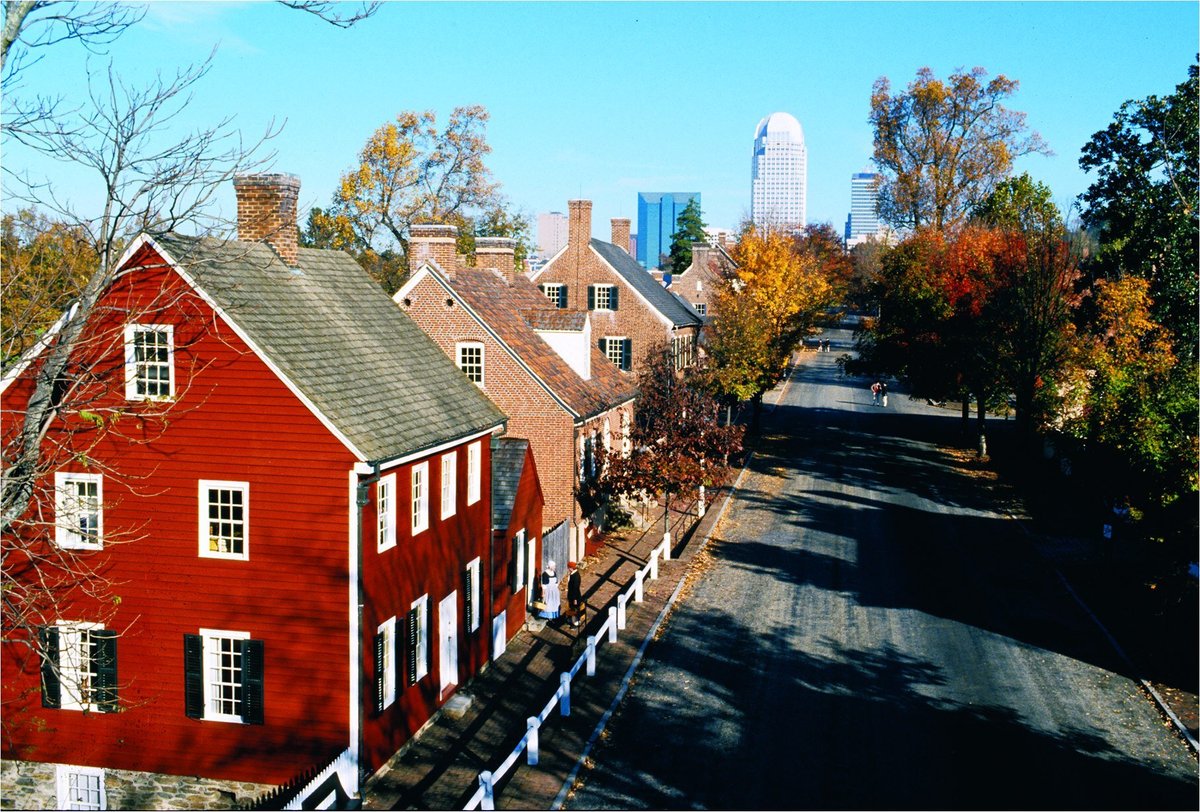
x,y
485,795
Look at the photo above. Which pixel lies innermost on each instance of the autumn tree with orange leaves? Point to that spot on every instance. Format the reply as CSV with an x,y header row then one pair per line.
x,y
762,314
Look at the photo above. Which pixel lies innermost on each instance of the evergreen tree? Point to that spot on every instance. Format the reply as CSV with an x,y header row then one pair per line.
x,y
689,228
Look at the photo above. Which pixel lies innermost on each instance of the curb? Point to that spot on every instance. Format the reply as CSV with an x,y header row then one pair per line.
x,y
569,782
1145,685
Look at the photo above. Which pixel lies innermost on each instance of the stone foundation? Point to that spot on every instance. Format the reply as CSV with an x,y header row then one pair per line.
x,y
33,785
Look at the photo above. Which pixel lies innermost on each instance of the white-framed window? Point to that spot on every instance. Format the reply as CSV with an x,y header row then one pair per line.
x,y
224,519
420,497
420,636
701,308
80,787
602,297
387,662
149,361
474,477
471,595
385,508
78,511
224,675
618,349
470,360
555,292
86,667
449,484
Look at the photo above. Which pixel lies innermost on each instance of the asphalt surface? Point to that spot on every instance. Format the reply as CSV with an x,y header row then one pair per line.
x,y
869,632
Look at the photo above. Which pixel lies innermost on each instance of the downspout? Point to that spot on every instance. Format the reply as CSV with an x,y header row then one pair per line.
x,y
362,499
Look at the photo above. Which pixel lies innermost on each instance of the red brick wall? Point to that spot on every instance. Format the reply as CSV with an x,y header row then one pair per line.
x,y
532,413
580,266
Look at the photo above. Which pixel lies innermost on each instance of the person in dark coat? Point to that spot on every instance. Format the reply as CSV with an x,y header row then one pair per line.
x,y
574,595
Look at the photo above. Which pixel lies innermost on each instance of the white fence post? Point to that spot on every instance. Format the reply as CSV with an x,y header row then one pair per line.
x,y
591,655
654,565
612,624
637,585
564,694
489,799
666,546
621,599
531,740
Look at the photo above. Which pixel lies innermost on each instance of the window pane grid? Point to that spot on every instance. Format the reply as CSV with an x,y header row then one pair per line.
x,y
152,363
84,791
225,677
226,520
470,361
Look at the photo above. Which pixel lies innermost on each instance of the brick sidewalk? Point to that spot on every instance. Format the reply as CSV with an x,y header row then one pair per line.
x,y
439,769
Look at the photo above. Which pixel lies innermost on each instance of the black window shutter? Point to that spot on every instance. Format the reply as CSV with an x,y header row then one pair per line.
x,y
379,667
51,687
401,651
603,342
193,676
542,288
468,599
562,297
627,354
413,620
104,655
612,297
591,297
513,569
252,682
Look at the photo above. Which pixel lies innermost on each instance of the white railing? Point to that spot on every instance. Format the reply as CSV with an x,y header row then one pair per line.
x,y
347,772
485,795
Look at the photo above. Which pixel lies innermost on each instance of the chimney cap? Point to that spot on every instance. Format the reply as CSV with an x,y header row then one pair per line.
x,y
267,179
495,244
433,230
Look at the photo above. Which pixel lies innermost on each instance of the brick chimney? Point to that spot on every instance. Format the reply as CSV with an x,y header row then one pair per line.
x,y
620,233
498,253
267,212
579,222
436,242
700,254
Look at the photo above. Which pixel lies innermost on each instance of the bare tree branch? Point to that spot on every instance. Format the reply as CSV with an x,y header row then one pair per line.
x,y
332,12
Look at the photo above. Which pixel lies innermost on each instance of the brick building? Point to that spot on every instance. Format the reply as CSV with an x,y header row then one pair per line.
x,y
539,363
630,310
699,282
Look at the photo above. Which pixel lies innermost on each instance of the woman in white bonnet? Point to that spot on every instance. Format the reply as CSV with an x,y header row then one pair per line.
x,y
550,593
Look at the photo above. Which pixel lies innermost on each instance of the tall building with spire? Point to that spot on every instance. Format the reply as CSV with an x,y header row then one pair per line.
x,y
779,174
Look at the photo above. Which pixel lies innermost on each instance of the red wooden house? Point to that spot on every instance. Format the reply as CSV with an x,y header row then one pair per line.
x,y
288,491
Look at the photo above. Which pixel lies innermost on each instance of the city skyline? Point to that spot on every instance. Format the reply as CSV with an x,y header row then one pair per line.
x,y
553,133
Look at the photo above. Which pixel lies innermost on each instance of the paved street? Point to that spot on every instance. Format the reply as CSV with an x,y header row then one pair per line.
x,y
870,633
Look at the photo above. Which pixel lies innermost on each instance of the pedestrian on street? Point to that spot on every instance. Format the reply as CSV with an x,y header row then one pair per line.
x,y
883,393
574,595
550,594
875,389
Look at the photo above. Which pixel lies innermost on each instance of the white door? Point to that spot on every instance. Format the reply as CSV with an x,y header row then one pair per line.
x,y
499,634
448,640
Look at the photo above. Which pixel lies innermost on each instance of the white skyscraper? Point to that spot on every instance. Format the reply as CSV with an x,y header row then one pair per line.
x,y
779,174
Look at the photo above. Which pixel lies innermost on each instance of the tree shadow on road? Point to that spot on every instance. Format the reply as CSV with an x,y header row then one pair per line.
x,y
856,729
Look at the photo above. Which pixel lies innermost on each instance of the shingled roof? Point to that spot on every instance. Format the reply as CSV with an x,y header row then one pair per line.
x,y
508,463
364,365
512,309
677,311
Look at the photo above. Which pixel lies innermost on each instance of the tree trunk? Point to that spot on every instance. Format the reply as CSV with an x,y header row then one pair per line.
x,y
965,425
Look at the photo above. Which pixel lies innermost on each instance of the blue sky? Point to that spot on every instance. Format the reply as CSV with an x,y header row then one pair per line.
x,y
605,100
